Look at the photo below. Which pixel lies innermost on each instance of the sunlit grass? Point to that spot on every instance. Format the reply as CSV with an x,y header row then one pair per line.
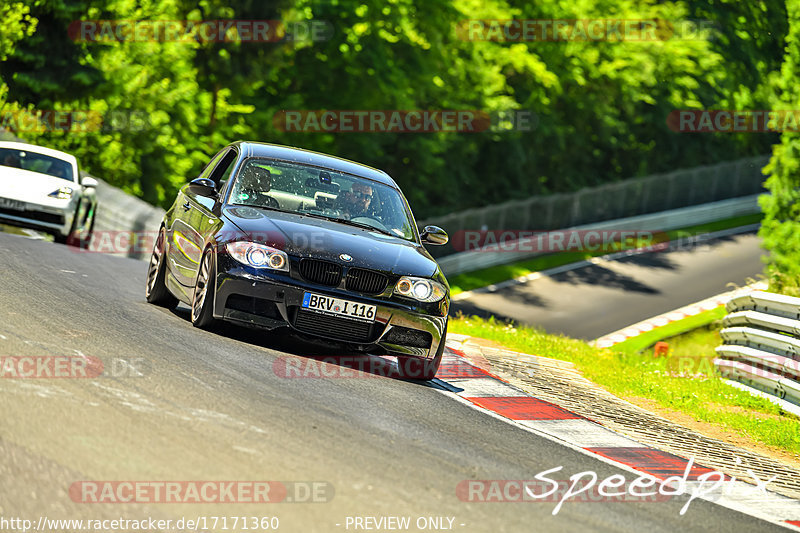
x,y
640,342
677,382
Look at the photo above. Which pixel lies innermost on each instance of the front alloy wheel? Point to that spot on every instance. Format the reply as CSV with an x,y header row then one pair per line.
x,y
203,298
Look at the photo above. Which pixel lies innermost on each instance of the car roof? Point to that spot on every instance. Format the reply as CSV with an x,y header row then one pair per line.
x,y
300,155
58,154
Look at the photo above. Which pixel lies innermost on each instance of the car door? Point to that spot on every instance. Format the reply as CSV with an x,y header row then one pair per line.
x,y
186,243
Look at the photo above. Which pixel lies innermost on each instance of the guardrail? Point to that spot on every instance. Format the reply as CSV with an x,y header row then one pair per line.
x,y
762,344
657,222
119,213
608,206
611,201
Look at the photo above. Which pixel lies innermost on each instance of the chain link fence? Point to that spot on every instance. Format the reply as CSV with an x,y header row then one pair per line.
x,y
638,196
632,197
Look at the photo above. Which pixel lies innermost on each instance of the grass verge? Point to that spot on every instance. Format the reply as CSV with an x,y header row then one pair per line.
x,y
468,281
647,339
669,381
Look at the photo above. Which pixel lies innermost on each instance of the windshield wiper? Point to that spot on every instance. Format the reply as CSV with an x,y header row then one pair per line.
x,y
278,209
317,215
366,226
351,223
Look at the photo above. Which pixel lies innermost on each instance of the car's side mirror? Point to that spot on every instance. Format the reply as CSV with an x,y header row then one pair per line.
x,y
434,235
86,181
203,187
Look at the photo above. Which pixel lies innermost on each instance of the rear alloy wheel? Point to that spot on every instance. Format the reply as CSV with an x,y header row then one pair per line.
x,y
156,290
203,298
419,369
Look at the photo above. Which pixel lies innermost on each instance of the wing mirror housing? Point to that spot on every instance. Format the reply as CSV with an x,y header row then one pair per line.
x,y
434,235
203,187
91,183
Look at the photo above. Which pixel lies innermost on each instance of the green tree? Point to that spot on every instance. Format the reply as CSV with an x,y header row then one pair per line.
x,y
780,229
17,24
47,66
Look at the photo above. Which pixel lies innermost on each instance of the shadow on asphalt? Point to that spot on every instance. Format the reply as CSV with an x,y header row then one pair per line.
x,y
605,277
308,358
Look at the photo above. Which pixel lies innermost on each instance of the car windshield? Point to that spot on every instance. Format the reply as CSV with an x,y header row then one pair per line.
x,y
312,191
35,162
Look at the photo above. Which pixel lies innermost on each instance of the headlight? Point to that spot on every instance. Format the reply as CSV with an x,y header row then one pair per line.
x,y
63,193
422,289
258,255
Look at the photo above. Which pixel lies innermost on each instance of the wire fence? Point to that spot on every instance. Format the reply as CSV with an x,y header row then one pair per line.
x,y
632,197
637,196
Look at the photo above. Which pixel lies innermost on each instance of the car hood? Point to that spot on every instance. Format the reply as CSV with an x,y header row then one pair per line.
x,y
305,236
27,186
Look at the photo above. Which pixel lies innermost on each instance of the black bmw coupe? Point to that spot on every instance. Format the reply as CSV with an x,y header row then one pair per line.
x,y
270,236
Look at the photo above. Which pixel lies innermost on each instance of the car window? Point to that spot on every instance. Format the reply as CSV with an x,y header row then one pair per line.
x,y
36,162
206,173
223,170
305,189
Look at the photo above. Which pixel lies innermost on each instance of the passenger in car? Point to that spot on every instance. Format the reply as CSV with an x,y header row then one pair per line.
x,y
356,202
253,186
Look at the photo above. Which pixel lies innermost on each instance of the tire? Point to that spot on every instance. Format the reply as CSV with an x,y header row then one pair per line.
x,y
71,238
419,369
87,240
156,291
203,296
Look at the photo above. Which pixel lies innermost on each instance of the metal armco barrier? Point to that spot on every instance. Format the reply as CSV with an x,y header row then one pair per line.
x,y
659,221
762,344
119,212
611,201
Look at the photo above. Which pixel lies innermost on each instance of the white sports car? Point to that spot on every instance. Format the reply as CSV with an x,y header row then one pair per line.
x,y
41,188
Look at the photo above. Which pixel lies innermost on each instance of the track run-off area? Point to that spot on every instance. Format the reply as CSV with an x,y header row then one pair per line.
x,y
343,450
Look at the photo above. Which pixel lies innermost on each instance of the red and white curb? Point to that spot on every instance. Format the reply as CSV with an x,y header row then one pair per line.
x,y
650,324
489,393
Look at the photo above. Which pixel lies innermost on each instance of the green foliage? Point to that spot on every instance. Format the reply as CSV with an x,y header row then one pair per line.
x,y
600,107
780,229
668,381
17,24
47,67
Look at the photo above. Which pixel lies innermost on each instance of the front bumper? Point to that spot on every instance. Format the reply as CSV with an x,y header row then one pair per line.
x,y
48,218
270,300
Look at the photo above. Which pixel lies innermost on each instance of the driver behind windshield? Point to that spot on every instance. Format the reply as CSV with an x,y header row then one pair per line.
x,y
355,202
12,161
59,171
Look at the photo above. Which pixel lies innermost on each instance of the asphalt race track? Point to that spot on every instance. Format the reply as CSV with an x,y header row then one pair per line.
x,y
595,300
209,406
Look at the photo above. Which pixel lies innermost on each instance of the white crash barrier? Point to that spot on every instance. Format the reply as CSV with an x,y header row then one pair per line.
x,y
762,344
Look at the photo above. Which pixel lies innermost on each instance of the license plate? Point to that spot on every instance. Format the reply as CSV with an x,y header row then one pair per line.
x,y
338,307
7,203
